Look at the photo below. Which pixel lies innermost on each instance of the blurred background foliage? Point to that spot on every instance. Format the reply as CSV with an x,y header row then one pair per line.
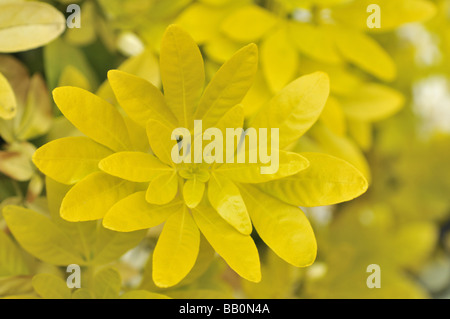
x,y
388,114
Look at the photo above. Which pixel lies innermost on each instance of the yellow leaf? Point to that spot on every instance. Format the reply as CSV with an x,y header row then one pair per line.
x,y
37,115
415,242
279,59
135,213
71,76
339,146
12,261
182,73
193,190
284,228
140,99
228,86
238,250
70,159
372,102
361,132
257,96
133,166
160,139
26,25
327,181
226,199
248,23
40,237
162,189
176,250
333,116
289,164
107,284
365,53
295,108
8,102
49,286
314,41
94,117
201,21
93,196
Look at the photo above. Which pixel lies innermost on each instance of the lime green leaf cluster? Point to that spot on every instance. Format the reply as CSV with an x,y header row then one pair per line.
x,y
132,190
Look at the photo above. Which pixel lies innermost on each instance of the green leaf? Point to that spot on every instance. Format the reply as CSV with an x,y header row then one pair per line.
x,y
295,108
284,228
27,25
12,262
58,55
176,250
40,237
49,286
182,73
327,181
68,160
238,250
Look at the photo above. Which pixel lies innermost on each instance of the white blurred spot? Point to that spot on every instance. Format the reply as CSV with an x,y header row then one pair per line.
x,y
129,44
431,102
424,42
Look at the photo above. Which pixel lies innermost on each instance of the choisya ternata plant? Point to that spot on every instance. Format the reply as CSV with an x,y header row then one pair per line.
x,y
134,187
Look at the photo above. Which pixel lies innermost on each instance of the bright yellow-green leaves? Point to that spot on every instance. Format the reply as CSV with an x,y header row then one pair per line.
x,y
226,199
68,160
12,262
40,237
228,86
8,102
327,181
295,108
248,24
143,215
118,179
92,197
238,250
133,166
176,250
182,74
26,25
284,228
84,110
365,52
128,91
